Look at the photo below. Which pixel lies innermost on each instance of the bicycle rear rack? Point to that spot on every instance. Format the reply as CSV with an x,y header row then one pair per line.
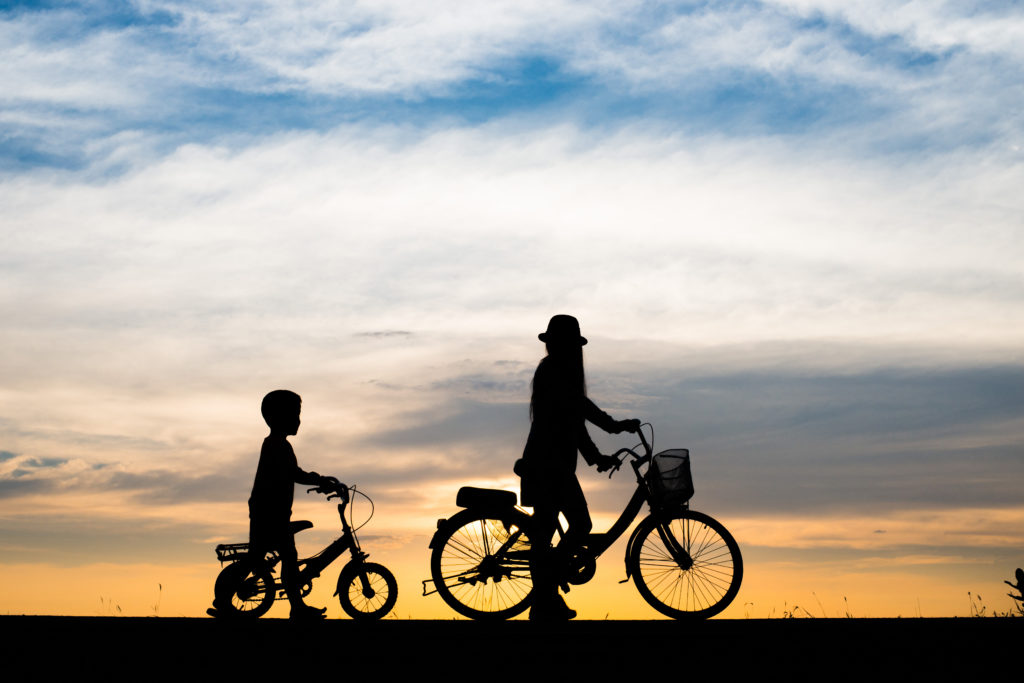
x,y
232,552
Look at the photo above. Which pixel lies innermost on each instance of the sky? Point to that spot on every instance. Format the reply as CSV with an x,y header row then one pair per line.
x,y
790,229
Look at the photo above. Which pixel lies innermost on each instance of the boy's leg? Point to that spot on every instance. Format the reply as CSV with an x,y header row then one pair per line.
x,y
291,580
290,570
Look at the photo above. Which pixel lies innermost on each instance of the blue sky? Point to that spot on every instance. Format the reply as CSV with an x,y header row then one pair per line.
x,y
908,78
790,229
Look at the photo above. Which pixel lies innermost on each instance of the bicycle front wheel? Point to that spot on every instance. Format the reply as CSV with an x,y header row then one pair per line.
x,y
688,567
367,590
481,564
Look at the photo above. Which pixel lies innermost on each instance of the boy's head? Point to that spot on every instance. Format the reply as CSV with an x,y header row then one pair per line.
x,y
280,409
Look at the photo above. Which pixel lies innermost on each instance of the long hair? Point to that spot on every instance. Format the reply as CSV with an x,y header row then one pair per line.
x,y
566,364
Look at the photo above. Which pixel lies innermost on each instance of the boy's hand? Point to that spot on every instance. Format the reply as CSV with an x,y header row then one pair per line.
x,y
606,462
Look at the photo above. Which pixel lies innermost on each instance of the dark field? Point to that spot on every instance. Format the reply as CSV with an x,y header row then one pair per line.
x,y
207,649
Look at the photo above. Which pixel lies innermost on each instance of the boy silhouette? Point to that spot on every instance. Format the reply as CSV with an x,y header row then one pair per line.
x,y
270,504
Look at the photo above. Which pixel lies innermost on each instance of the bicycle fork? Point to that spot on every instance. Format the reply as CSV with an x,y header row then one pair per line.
x,y
675,548
678,551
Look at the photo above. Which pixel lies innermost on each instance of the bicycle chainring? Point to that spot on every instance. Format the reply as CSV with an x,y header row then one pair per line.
x,y
581,569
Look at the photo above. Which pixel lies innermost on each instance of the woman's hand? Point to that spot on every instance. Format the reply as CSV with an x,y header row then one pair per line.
x,y
632,426
606,462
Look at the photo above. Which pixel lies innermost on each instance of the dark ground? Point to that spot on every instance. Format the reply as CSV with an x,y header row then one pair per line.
x,y
123,648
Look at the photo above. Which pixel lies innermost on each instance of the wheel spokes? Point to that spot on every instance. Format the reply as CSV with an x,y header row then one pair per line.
x,y
698,587
485,566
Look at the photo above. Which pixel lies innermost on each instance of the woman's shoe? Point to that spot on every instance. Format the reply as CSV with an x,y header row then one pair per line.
x,y
554,609
564,608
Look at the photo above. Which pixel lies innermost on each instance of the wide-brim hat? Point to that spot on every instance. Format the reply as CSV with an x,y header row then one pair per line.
x,y
563,328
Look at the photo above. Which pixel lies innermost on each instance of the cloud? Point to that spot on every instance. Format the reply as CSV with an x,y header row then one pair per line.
x,y
14,486
490,228
384,334
376,47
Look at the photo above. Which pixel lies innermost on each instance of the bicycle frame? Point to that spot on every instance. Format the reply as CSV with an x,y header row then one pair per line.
x,y
311,567
584,563
597,543
247,587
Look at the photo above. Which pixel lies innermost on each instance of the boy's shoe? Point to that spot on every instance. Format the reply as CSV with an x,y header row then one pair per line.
x,y
308,612
220,612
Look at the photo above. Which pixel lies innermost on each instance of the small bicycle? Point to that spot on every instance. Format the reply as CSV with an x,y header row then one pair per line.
x,y
684,563
247,587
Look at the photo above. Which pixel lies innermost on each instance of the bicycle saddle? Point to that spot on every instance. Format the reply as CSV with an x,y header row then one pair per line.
x,y
470,496
297,526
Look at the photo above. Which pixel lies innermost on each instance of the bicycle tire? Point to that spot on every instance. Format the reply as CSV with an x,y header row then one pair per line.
x,y
696,592
245,590
480,564
369,602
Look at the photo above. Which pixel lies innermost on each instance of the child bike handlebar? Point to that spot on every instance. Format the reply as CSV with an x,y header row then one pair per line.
x,y
332,488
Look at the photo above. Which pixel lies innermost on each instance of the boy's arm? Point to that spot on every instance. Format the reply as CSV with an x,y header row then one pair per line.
x,y
308,478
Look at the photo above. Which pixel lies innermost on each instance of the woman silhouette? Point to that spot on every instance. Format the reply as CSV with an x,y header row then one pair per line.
x,y
558,409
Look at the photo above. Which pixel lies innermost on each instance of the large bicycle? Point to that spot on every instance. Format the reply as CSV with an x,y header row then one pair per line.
x,y
247,587
684,563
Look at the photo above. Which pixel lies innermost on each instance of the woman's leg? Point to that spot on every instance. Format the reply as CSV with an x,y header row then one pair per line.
x,y
547,563
545,587
573,505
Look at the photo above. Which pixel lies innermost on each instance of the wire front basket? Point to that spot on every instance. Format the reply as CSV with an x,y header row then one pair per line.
x,y
669,478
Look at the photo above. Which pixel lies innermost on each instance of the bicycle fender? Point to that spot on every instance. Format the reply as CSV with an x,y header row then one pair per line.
x,y
632,540
341,575
441,525
496,511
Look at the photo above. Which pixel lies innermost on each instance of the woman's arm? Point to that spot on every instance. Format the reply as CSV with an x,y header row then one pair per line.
x,y
603,420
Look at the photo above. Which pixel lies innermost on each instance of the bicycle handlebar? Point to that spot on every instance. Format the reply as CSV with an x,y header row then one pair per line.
x,y
643,439
332,488
629,451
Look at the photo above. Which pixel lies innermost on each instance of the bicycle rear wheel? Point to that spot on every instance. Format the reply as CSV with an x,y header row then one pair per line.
x,y
245,589
688,567
481,564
